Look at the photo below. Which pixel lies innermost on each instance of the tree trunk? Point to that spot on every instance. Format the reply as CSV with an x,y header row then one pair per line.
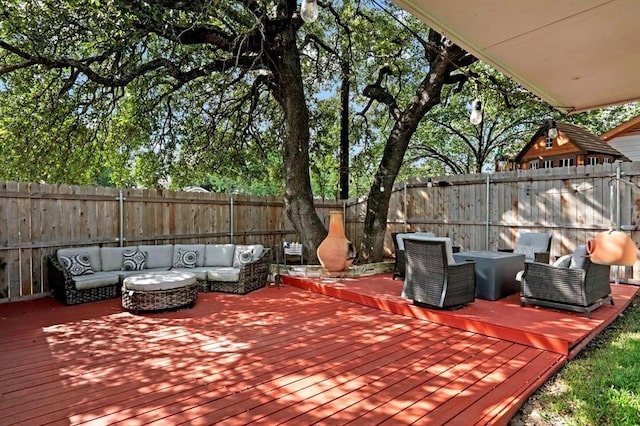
x,y
344,133
288,91
426,97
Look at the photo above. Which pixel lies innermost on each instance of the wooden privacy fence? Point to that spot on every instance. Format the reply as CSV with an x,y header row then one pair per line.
x,y
482,211
477,211
38,219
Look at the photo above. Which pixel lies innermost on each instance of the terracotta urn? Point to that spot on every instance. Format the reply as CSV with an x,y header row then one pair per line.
x,y
334,252
612,248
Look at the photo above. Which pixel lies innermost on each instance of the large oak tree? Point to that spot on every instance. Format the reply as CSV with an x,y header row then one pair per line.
x,y
206,82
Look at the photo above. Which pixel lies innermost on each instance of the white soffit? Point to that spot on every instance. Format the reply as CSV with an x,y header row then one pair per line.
x,y
577,55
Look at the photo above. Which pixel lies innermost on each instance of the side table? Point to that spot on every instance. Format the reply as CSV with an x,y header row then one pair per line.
x,y
495,272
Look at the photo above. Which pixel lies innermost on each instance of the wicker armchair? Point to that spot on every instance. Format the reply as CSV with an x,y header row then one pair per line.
x,y
535,246
252,276
572,283
398,245
64,289
433,279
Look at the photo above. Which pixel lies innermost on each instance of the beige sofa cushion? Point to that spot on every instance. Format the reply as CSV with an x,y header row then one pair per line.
x,y
112,257
95,280
160,256
218,254
222,274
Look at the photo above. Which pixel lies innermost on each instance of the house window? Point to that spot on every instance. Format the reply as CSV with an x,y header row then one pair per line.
x,y
549,143
566,162
606,160
548,164
533,165
592,161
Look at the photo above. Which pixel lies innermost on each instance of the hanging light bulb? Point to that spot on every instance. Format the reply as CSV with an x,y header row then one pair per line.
x,y
552,130
309,10
476,112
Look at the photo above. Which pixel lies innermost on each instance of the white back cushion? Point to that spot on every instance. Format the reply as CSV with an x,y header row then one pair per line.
x,y
160,256
219,254
112,257
417,235
538,241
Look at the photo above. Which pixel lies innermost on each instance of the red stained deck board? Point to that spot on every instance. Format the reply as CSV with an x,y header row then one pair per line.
x,y
272,355
560,331
237,400
340,390
250,361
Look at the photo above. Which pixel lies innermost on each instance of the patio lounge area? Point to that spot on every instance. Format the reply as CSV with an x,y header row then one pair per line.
x,y
285,355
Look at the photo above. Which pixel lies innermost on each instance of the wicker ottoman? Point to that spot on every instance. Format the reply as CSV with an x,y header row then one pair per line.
x,y
155,291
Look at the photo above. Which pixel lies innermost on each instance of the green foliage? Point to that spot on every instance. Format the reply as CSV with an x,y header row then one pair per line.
x,y
448,143
134,104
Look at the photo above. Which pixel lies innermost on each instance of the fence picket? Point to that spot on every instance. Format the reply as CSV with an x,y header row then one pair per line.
x,y
573,204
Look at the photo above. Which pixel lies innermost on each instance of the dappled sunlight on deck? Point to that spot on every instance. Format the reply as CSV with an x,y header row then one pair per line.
x,y
276,355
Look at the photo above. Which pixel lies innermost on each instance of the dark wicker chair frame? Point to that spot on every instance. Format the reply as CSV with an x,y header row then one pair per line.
x,y
579,290
64,289
399,266
253,276
431,281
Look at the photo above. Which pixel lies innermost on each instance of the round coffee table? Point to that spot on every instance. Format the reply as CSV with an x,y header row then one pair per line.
x,y
162,290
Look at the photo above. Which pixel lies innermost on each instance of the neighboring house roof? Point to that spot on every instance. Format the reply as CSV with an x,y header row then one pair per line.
x,y
580,137
628,127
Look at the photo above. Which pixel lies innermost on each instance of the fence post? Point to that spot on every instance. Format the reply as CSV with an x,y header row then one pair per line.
x,y
404,205
486,227
121,214
231,218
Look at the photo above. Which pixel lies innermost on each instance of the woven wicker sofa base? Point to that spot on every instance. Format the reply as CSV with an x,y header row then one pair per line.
x,y
232,287
74,297
160,300
567,306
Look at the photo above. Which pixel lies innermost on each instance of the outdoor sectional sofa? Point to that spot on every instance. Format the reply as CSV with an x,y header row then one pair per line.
x,y
87,274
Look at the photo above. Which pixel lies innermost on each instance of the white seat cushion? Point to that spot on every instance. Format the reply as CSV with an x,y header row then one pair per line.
x,y
165,280
199,272
95,280
223,274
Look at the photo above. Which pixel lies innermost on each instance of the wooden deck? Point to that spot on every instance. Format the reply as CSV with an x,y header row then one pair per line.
x,y
560,331
273,356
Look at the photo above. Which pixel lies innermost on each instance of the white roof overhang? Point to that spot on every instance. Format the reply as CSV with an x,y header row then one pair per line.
x,y
576,55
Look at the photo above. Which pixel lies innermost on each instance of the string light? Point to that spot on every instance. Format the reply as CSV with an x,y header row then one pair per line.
x,y
309,10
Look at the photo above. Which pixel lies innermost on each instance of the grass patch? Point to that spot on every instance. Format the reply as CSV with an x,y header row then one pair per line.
x,y
601,386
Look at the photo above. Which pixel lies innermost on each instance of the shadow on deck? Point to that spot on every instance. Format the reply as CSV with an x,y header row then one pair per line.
x,y
562,332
